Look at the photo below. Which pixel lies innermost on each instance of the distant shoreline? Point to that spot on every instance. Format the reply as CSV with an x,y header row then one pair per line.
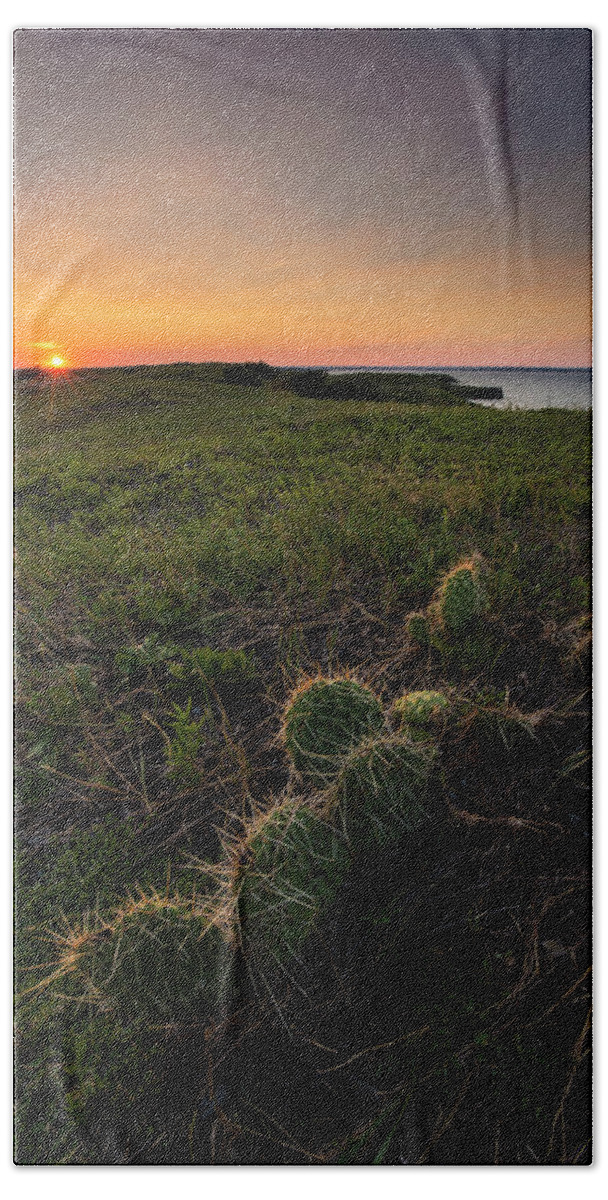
x,y
421,370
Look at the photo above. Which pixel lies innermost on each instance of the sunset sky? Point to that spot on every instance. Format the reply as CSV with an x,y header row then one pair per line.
x,y
404,197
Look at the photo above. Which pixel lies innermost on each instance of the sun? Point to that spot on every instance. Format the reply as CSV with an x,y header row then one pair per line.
x,y
56,362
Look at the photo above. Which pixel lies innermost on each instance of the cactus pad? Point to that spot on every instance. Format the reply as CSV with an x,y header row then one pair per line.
x,y
155,961
380,791
460,599
420,710
295,863
325,721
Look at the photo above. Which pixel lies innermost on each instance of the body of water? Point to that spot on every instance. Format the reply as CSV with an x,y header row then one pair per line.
x,y
523,387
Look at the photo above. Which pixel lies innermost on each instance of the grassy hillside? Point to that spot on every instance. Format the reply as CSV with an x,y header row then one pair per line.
x,y
189,552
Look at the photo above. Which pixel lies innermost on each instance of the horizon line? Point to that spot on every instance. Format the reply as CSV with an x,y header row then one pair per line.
x,y
189,362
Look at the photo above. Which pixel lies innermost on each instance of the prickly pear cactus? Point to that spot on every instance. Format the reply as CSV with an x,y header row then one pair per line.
x,y
380,792
460,597
421,712
324,721
293,864
154,961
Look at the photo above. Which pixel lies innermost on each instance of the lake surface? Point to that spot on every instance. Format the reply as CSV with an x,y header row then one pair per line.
x,y
523,387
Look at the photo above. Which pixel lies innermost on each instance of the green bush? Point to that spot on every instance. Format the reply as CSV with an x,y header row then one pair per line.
x,y
380,792
324,721
151,653
294,863
206,667
65,877
201,664
58,703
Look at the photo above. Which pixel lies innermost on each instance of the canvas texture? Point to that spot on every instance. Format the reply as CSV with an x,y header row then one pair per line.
x,y
302,471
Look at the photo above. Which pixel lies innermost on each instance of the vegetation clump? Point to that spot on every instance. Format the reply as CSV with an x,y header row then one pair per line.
x,y
418,628
136,660
189,735
173,511
207,668
315,383
324,721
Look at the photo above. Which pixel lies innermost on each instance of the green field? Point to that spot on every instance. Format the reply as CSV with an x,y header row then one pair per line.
x,y
189,551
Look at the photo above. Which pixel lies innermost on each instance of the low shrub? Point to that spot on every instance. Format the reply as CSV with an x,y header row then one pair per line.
x,y
134,660
204,668
189,732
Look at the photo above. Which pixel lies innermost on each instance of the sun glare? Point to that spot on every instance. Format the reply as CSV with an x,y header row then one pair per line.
x,y
56,362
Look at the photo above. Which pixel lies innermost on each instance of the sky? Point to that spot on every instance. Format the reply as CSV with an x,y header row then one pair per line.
x,y
311,197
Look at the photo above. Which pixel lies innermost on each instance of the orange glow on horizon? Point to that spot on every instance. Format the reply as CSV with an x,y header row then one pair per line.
x,y
352,310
